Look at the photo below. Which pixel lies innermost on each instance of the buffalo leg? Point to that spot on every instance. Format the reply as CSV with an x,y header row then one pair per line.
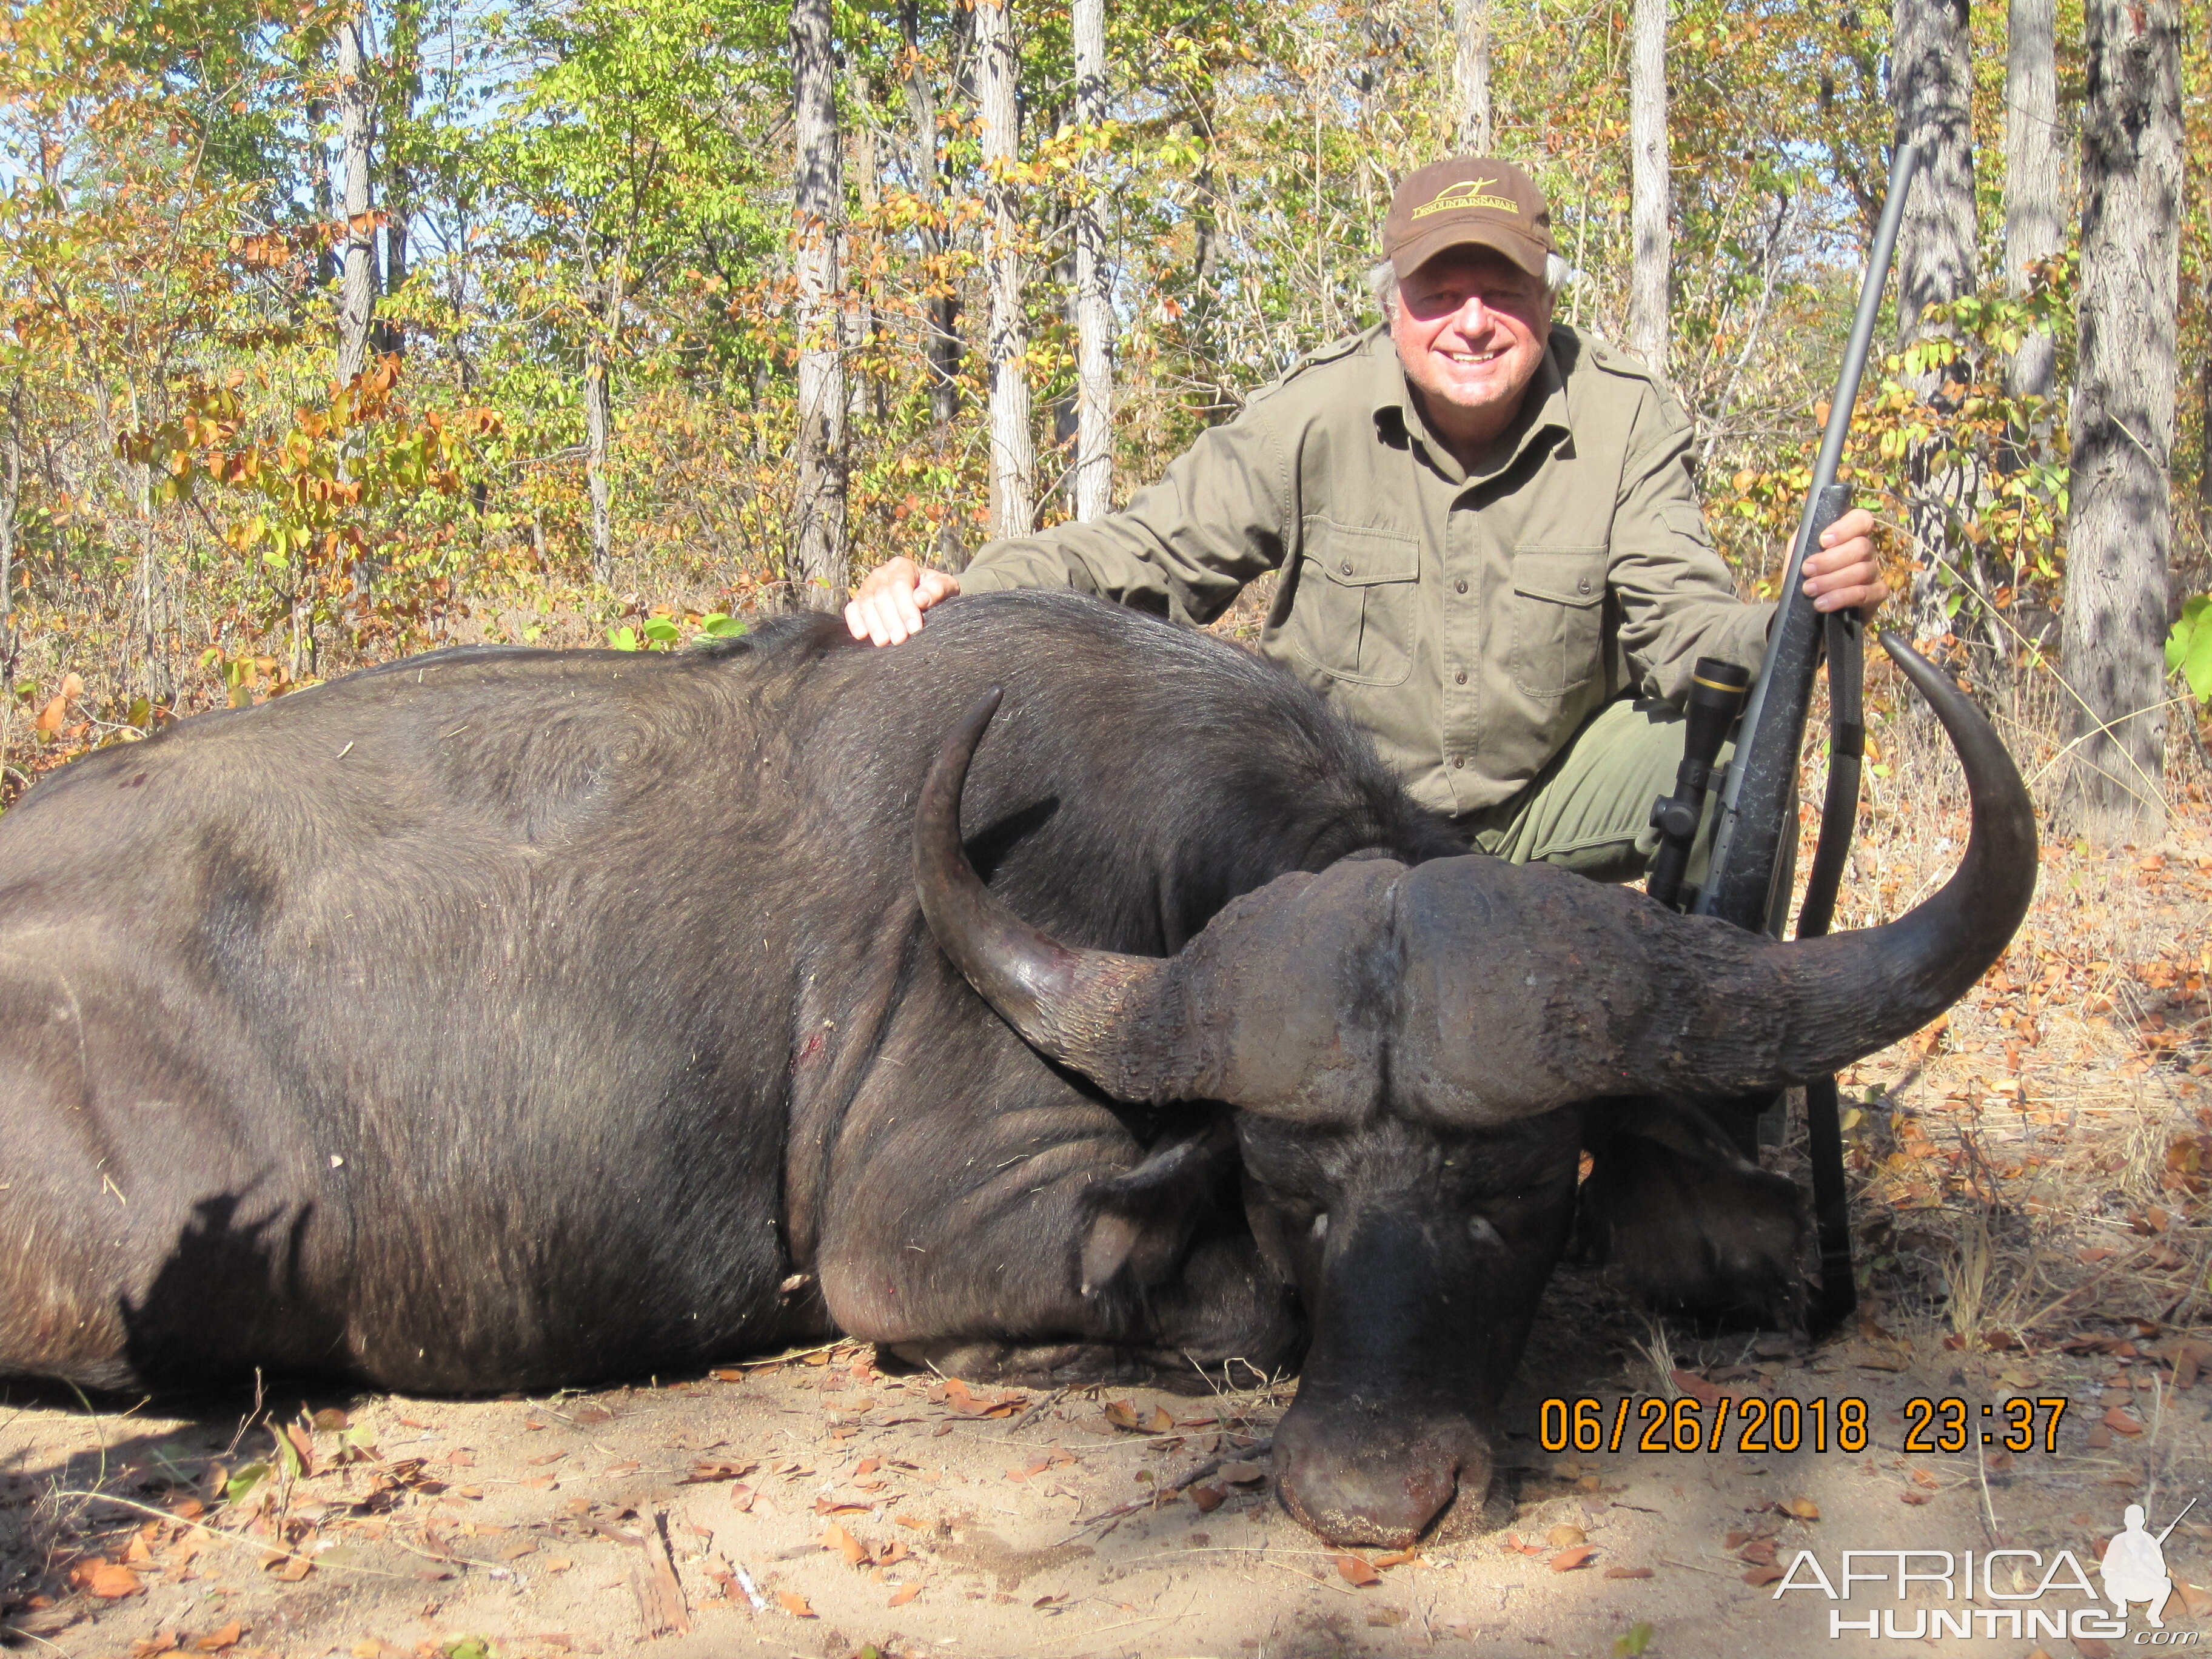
x,y
1046,1244
1685,1222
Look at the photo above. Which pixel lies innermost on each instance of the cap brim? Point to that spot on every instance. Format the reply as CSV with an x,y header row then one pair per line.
x,y
1523,250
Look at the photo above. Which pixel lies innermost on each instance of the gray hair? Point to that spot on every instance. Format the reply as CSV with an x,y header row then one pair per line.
x,y
1382,280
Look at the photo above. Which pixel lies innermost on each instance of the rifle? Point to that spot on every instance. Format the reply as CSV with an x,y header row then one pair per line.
x,y
1747,881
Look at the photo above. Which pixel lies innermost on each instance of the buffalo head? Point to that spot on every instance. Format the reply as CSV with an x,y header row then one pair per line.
x,y
1393,1038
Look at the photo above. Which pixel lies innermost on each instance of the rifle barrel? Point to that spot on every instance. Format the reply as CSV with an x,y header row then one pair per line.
x,y
1748,828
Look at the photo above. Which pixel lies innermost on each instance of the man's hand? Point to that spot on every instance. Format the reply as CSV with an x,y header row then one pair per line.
x,y
887,606
1840,572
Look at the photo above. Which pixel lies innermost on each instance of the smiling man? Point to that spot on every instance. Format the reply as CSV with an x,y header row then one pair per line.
x,y
1491,553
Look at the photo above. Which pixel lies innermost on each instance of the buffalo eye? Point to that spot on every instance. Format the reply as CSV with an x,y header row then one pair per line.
x,y
1485,1235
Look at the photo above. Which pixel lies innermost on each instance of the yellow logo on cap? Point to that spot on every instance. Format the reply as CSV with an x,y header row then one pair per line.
x,y
1468,193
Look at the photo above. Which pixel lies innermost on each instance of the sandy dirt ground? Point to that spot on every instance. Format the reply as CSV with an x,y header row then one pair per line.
x,y
815,1506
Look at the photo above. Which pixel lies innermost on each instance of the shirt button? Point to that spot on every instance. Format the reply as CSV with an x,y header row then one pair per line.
x,y
1458,761
1460,678
1460,586
1346,567
1583,586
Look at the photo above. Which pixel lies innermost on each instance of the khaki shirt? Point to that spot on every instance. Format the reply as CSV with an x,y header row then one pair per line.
x,y
1470,620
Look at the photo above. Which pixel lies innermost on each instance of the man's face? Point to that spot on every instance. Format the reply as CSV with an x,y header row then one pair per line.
x,y
1470,327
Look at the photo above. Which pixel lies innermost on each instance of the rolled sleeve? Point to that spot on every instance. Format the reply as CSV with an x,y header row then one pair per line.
x,y
1678,600
1182,548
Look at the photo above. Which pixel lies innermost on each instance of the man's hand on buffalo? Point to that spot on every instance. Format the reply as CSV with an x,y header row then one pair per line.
x,y
887,606
1842,570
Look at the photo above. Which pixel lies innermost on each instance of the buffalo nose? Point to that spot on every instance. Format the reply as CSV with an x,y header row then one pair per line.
x,y
1371,1483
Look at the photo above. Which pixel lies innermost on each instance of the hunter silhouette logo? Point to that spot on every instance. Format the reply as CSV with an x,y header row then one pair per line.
x,y
1468,193
2133,1567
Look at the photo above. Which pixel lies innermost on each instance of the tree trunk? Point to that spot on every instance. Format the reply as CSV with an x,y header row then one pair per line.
x,y
1013,465
2120,529
402,81
940,307
1471,73
1648,331
603,299
2034,222
8,502
860,316
357,269
821,572
1930,81
1094,311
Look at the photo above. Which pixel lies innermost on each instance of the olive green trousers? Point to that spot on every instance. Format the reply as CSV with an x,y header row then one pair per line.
x,y
1589,809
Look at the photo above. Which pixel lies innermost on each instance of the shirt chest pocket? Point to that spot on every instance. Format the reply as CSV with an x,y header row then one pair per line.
x,y
1353,617
1559,615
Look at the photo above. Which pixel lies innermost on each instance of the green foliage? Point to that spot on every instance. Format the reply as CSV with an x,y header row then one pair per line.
x,y
2189,647
604,186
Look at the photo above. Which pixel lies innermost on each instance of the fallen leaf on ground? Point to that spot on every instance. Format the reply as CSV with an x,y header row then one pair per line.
x,y
1706,1394
1397,1559
1914,1496
216,1640
1242,1474
1765,1575
1628,1573
110,1582
1568,1560
1356,1572
904,1594
1803,1508
1208,1498
719,1469
2120,1420
794,1604
1563,1535
835,1537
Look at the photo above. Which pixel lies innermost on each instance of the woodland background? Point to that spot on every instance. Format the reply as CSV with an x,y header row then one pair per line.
x,y
329,334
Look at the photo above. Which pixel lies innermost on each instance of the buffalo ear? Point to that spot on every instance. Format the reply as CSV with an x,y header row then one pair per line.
x,y
1140,1222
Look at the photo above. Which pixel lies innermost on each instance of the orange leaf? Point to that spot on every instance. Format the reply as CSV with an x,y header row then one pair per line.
x,y
1568,1560
794,1604
1803,1508
216,1640
1397,1559
1356,1572
1628,1573
835,1537
1765,1575
2120,1420
111,1582
1208,1498
904,1594
1696,1387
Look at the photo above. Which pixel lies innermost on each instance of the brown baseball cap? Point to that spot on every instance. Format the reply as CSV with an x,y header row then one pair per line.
x,y
1467,200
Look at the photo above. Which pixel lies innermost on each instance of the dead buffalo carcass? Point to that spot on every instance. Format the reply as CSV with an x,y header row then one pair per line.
x,y
505,1019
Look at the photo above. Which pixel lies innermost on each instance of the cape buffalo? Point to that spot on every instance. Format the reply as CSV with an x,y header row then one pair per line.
x,y
503,1018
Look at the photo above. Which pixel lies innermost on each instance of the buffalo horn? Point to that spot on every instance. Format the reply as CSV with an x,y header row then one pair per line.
x,y
1122,1021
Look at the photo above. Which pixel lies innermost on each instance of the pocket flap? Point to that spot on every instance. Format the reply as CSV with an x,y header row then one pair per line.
x,y
1564,575
1358,558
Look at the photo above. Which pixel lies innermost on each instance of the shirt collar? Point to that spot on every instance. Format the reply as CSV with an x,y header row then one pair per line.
x,y
1543,412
